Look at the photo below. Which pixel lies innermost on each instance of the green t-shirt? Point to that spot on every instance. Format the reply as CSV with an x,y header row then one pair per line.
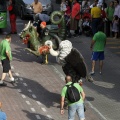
x,y
100,41
5,46
110,13
64,90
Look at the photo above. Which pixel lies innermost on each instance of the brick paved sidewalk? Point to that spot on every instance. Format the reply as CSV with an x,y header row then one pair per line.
x,y
36,94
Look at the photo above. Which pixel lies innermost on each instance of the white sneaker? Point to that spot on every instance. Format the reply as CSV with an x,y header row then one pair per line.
x,y
92,73
12,79
1,81
100,73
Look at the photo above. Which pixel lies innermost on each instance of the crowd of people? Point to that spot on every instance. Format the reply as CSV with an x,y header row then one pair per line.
x,y
85,17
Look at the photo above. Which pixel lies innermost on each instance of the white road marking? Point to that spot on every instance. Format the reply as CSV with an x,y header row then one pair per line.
x,y
39,103
44,109
28,102
29,90
59,74
23,96
96,110
17,74
38,117
25,84
19,90
33,110
12,67
21,79
16,79
49,116
34,96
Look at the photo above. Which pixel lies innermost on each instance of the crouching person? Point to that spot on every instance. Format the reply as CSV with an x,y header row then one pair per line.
x,y
76,103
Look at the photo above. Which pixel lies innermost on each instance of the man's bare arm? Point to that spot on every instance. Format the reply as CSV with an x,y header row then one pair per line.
x,y
92,43
62,105
83,95
8,55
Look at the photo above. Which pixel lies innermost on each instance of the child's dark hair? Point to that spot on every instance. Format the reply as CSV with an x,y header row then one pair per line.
x,y
8,36
116,17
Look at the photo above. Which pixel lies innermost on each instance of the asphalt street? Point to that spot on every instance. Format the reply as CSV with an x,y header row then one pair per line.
x,y
36,94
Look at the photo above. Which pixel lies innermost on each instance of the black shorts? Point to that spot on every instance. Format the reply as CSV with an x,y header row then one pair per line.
x,y
6,65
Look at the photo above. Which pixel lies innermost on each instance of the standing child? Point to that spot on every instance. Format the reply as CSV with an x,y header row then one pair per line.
x,y
12,15
115,27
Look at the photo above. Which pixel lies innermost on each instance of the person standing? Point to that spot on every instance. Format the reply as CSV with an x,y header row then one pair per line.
x,y
96,18
115,28
12,16
6,57
43,32
109,16
85,6
97,46
37,7
63,6
117,12
2,114
75,17
76,106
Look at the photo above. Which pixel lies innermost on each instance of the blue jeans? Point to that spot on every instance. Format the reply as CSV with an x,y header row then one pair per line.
x,y
77,107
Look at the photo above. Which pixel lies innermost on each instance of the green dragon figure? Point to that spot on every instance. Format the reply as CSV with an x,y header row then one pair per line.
x,y
36,46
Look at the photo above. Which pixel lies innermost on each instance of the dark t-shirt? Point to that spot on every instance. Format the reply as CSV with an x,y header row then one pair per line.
x,y
43,32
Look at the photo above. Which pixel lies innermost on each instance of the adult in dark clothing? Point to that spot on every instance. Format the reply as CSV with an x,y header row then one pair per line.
x,y
12,16
96,18
43,32
41,18
109,16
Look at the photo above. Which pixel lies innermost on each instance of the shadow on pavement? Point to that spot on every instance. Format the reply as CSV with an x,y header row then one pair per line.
x,y
43,95
89,98
34,116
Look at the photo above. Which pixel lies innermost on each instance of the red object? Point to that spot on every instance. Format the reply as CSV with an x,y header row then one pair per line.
x,y
43,23
68,11
75,9
44,49
26,39
13,22
10,7
103,14
27,35
86,15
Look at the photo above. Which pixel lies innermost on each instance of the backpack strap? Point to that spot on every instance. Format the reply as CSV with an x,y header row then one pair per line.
x,y
70,84
67,88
